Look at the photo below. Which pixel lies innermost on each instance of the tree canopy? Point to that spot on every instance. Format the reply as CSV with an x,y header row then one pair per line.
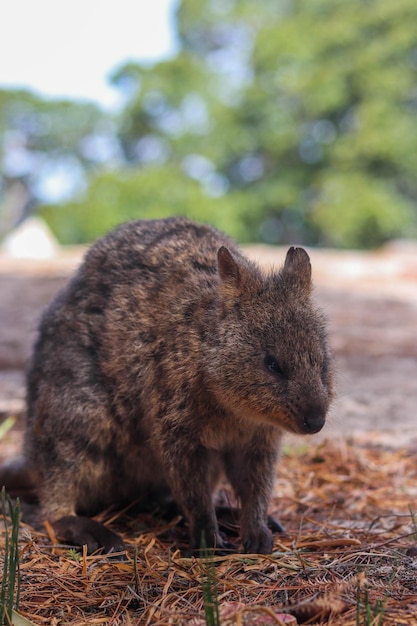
x,y
282,121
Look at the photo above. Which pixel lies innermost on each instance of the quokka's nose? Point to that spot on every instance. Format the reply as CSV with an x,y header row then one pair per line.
x,y
314,420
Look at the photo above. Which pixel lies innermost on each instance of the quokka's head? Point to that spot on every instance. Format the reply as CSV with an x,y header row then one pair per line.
x,y
269,361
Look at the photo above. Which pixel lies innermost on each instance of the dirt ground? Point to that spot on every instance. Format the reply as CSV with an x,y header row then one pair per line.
x,y
369,298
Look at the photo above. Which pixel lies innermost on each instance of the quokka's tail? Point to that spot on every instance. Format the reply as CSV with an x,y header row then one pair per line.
x,y
16,478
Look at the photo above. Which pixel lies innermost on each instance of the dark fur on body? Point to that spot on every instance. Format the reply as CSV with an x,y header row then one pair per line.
x,y
167,361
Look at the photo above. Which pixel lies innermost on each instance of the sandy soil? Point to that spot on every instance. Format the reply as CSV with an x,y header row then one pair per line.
x,y
369,298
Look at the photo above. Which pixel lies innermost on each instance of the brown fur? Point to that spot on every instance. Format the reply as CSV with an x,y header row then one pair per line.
x,y
168,360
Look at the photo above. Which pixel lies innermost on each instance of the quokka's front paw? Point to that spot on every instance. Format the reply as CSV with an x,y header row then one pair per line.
x,y
258,540
212,543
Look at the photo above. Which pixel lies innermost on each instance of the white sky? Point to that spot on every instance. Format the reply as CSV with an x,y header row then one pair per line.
x,y
70,47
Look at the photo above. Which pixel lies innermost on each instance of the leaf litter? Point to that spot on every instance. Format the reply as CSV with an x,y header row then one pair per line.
x,y
348,556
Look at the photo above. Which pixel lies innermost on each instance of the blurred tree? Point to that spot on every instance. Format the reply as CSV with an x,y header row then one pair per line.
x,y
283,120
303,112
114,197
47,147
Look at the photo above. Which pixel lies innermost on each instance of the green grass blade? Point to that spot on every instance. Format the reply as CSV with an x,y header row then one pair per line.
x,y
4,584
10,586
209,586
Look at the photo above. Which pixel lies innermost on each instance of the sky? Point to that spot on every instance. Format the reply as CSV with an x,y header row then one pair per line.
x,y
69,49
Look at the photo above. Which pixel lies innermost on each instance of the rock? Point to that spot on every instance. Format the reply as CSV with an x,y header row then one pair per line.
x,y
31,240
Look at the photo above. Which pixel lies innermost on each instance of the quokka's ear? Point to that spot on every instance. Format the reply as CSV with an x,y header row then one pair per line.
x,y
229,270
297,268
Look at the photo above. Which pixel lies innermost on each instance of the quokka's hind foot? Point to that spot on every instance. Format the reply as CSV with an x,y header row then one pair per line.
x,y
79,531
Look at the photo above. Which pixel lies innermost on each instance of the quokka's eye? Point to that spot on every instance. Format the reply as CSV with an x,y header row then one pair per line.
x,y
273,366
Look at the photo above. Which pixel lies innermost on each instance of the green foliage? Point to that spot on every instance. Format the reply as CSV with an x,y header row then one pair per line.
x,y
372,613
74,555
10,585
48,126
277,121
138,194
355,210
43,141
